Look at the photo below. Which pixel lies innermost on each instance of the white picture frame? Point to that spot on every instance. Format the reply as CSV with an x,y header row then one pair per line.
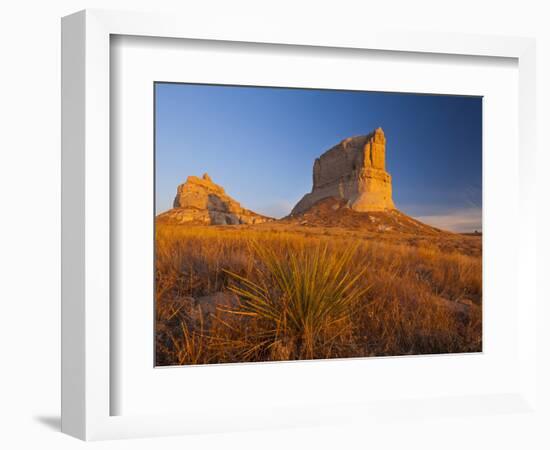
x,y
87,386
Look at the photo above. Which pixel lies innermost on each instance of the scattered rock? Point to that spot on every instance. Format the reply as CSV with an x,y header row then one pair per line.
x,y
209,303
462,307
466,301
168,308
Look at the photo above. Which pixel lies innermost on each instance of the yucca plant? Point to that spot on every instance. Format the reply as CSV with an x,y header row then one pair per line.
x,y
301,296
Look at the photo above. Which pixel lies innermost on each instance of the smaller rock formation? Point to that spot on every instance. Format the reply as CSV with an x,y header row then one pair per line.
x,y
201,201
353,170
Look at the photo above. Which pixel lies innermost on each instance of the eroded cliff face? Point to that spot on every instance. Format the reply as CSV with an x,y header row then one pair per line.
x,y
201,201
353,170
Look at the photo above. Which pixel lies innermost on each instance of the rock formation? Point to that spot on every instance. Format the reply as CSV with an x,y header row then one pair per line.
x,y
201,201
353,170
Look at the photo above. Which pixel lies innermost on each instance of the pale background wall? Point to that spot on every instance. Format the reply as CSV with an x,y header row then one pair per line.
x,y
30,194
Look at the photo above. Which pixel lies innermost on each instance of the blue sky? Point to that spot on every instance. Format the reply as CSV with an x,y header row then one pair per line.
x,y
260,145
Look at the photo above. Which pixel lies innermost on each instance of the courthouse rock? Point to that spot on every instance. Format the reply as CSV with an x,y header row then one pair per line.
x,y
355,171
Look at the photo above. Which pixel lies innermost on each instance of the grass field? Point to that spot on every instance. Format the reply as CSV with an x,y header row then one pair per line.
x,y
277,291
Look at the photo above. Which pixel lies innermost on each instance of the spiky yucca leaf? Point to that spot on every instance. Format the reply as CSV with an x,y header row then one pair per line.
x,y
300,294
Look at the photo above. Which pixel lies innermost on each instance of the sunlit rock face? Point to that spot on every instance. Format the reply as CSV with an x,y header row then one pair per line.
x,y
353,170
201,201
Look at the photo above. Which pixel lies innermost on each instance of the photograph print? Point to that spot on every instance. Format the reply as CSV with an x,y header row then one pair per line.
x,y
300,224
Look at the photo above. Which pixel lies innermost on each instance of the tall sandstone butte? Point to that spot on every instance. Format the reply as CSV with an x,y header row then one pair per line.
x,y
353,170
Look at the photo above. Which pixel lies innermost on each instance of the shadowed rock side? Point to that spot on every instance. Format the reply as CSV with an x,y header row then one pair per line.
x,y
201,201
353,170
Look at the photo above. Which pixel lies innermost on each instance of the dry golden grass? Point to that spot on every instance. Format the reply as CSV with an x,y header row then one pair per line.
x,y
296,292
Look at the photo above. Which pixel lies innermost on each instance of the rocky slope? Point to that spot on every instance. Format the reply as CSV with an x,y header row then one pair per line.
x,y
201,201
336,212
